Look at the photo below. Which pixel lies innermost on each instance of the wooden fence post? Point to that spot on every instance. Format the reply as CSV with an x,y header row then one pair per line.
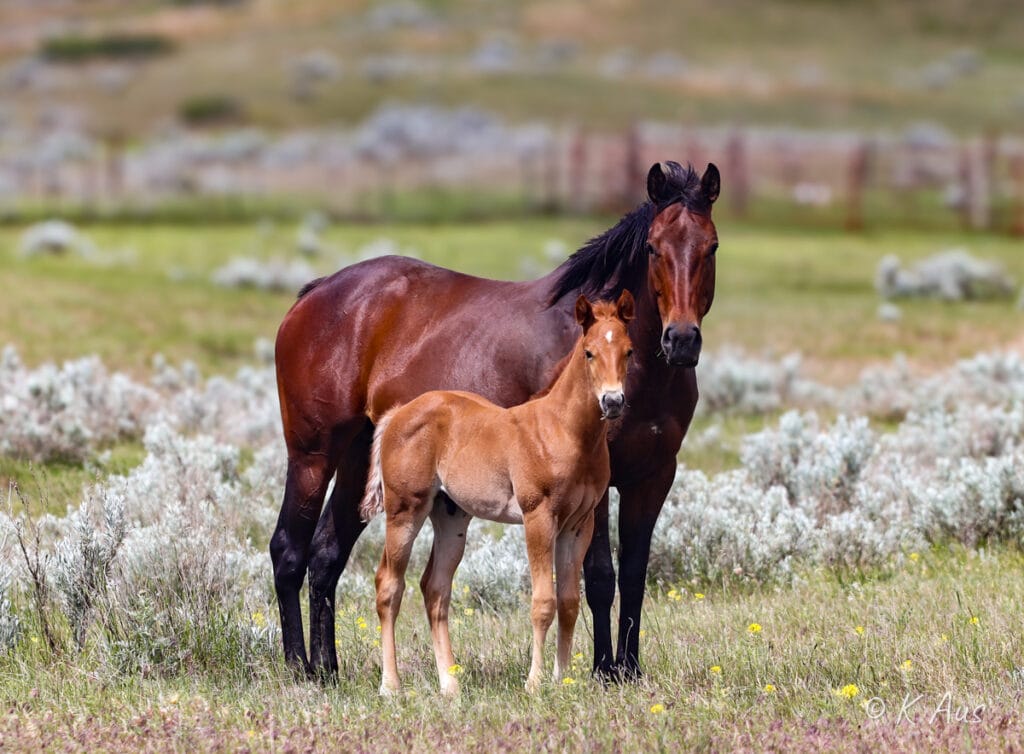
x,y
856,185
738,173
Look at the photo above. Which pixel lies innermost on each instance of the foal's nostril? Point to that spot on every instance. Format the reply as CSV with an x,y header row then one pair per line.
x,y
613,403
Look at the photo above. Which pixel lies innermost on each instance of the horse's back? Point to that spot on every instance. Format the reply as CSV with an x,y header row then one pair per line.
x,y
381,332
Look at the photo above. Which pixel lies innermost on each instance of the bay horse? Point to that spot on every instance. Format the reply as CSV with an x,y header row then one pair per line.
x,y
382,332
543,464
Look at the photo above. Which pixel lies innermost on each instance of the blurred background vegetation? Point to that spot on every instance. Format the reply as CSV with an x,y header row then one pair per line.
x,y
820,113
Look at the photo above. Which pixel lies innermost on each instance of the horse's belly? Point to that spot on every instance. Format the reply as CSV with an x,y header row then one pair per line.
x,y
492,505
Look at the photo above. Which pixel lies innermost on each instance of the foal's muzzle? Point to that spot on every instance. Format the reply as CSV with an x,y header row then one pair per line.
x,y
612,405
681,345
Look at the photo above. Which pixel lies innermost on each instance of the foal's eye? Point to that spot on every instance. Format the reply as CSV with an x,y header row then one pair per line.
x,y
652,251
629,353
713,249
588,354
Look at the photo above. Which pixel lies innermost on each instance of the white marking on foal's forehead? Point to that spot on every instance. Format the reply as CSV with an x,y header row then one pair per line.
x,y
608,336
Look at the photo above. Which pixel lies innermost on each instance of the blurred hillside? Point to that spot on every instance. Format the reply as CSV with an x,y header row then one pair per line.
x,y
442,108
279,64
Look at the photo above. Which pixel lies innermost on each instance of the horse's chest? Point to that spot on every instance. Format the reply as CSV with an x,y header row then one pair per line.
x,y
637,447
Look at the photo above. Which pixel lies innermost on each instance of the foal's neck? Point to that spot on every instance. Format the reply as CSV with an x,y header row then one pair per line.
x,y
572,399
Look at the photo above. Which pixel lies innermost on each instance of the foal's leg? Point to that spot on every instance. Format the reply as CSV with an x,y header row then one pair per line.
x,y
450,524
402,528
570,548
540,543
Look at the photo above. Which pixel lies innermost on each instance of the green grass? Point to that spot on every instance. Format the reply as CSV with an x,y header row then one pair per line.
x,y
711,683
779,290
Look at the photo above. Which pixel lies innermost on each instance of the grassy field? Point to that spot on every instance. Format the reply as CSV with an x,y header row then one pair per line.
x,y
830,668
778,290
923,655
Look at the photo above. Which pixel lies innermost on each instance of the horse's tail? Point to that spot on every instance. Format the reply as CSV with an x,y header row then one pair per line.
x,y
373,498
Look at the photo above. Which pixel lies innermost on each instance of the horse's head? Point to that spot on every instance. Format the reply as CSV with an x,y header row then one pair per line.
x,y
607,349
681,245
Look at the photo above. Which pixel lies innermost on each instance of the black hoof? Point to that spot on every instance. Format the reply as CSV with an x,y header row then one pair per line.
x,y
628,672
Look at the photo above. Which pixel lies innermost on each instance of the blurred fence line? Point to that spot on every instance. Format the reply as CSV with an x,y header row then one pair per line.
x,y
845,178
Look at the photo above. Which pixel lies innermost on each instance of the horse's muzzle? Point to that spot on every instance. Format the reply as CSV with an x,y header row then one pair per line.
x,y
682,345
612,405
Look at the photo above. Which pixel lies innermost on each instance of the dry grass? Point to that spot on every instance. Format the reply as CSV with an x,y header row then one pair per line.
x,y
930,633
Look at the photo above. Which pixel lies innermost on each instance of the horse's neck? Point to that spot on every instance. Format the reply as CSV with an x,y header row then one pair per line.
x,y
573,401
645,329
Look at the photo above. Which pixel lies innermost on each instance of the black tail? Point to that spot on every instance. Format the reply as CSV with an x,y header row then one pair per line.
x,y
309,286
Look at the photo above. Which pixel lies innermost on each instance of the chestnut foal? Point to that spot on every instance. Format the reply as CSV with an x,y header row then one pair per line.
x,y
543,464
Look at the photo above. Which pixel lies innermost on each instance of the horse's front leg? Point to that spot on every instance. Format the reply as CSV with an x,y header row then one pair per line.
x,y
640,503
570,548
599,575
540,546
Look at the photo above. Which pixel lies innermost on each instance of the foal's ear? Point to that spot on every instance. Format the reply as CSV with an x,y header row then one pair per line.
x,y
658,181
624,307
711,183
584,312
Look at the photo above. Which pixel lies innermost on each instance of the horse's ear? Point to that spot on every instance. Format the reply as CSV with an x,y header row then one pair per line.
x,y
584,312
711,183
658,182
624,307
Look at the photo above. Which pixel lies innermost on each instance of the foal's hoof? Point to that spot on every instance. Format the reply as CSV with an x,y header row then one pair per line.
x,y
449,687
532,685
389,689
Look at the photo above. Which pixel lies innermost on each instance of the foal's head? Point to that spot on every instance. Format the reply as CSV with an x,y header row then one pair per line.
x,y
607,348
681,246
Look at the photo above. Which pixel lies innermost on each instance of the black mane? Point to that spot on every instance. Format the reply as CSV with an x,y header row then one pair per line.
x,y
617,259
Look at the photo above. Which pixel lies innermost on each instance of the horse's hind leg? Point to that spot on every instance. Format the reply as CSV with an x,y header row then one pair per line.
x,y
308,475
336,533
570,548
405,518
450,524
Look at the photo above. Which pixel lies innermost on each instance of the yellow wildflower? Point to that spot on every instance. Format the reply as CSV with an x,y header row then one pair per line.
x,y
859,630
716,669
568,681
914,556
974,620
657,709
907,664
754,628
578,656
769,689
468,611
674,595
455,669
698,596
848,691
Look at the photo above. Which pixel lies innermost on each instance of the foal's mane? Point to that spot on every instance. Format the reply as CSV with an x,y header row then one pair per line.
x,y
617,258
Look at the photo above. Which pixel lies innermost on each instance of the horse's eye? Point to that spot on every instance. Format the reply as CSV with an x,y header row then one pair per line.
x,y
713,249
629,353
652,251
588,354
